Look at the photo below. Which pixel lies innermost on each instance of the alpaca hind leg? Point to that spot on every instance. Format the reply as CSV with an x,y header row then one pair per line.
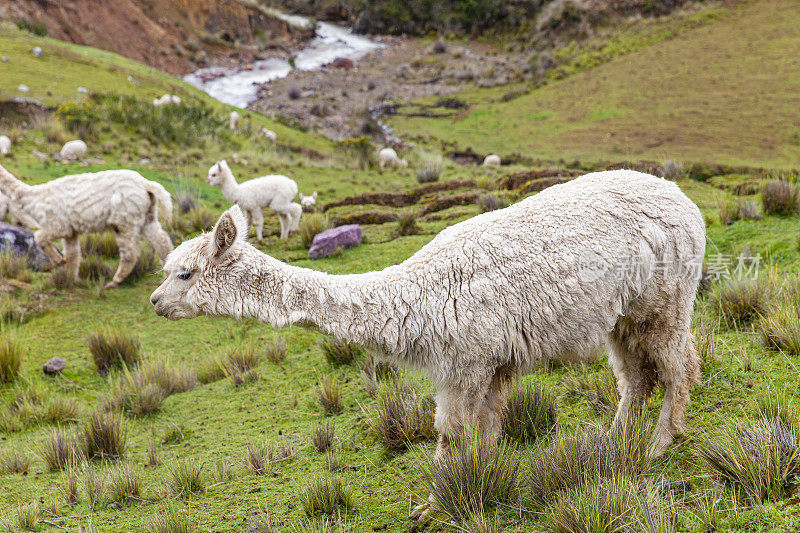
x,y
155,235
633,370
285,225
491,415
258,221
72,256
129,251
45,242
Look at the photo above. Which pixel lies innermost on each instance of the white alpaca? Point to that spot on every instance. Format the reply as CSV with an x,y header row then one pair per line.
x,y
308,202
274,191
388,157
121,201
491,160
5,145
73,150
269,134
166,100
609,258
234,120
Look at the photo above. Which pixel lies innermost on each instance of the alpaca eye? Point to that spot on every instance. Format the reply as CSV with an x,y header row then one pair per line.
x,y
184,275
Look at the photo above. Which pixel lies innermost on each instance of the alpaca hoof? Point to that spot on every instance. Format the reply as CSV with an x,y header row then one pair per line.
x,y
664,442
421,512
111,285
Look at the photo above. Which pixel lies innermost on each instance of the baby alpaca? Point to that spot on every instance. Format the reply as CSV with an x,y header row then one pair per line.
x,y
121,201
308,202
73,150
610,258
274,191
388,157
491,160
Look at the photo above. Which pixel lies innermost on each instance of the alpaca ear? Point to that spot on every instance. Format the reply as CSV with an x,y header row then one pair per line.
x,y
302,196
314,196
231,227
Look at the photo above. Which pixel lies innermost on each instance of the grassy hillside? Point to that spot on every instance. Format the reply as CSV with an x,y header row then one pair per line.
x,y
216,421
724,92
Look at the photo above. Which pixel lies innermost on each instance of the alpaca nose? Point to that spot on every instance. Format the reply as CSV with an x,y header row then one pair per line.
x,y
153,299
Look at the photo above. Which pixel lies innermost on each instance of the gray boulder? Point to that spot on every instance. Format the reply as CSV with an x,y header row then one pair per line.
x,y
326,243
21,242
54,366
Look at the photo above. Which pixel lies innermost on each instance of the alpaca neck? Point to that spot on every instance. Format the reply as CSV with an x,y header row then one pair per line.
x,y
11,186
353,307
230,188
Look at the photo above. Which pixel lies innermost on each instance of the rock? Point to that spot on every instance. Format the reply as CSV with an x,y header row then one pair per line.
x,y
37,51
343,62
23,88
54,366
20,241
326,243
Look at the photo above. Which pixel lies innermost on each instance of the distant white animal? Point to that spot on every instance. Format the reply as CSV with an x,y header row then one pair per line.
x,y
83,90
387,157
37,51
122,201
269,134
23,88
5,145
275,192
308,202
491,160
234,120
73,150
167,99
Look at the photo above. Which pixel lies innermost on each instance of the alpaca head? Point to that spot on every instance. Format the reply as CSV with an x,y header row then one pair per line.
x,y
308,201
203,274
218,173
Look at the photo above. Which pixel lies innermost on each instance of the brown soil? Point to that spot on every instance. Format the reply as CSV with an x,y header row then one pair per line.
x,y
367,217
519,180
176,36
400,199
446,202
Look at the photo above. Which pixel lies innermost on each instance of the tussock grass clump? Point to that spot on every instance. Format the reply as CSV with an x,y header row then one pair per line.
x,y
275,350
238,364
490,202
311,225
762,458
338,352
61,278
258,457
329,395
407,223
325,494
223,470
567,462
194,221
323,437
13,266
402,416
94,269
705,337
529,413
373,372
473,478
740,302
170,520
60,450
70,484
94,484
10,358
780,328
112,348
100,244
13,462
124,484
731,211
324,525
779,197
599,390
185,477
103,437
430,168
28,516
142,391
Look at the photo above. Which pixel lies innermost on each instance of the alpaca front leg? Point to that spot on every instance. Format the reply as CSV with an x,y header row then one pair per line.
x,y
45,242
285,225
129,251
72,256
258,221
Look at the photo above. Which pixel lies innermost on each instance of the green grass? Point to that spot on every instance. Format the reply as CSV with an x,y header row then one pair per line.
x,y
722,91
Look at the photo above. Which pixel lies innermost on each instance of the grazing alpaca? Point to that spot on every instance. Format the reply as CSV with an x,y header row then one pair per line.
x,y
387,157
308,202
121,201
234,120
491,160
275,192
608,258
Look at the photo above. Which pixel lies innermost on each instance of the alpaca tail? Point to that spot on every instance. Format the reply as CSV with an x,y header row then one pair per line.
x,y
163,200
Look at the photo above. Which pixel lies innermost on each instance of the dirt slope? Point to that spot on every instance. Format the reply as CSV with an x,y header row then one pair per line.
x,y
175,36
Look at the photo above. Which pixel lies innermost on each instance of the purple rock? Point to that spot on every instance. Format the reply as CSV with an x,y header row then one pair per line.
x,y
325,243
54,366
21,242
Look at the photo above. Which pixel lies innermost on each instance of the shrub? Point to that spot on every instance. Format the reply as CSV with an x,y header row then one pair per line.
x,y
185,477
170,520
112,348
779,197
338,352
324,495
762,458
13,462
529,413
323,437
103,437
740,302
311,225
474,477
275,350
124,483
59,450
599,390
780,328
402,416
10,358
330,395
407,223
490,202
13,266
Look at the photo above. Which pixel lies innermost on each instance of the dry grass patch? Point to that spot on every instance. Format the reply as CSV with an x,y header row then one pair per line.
x,y
780,328
13,266
124,484
738,303
13,462
329,394
310,226
779,197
